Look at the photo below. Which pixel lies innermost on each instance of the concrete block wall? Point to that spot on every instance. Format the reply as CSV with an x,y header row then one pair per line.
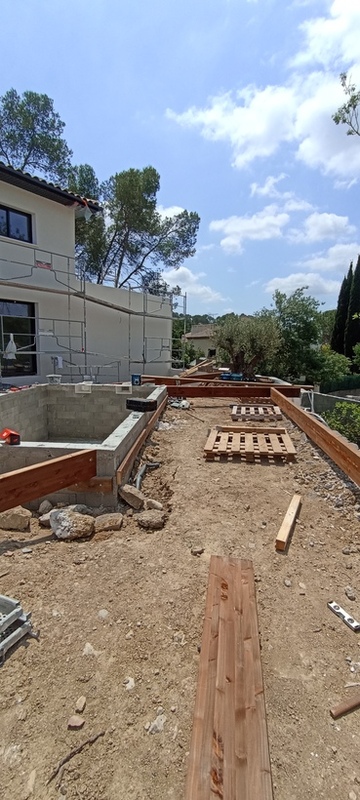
x,y
90,417
26,412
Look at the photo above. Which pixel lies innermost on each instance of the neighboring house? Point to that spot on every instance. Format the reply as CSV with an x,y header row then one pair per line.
x,y
51,322
201,337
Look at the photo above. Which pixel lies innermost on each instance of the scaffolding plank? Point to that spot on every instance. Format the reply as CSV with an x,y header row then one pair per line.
x,y
229,753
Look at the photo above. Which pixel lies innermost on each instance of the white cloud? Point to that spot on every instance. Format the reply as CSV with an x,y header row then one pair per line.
x,y
332,38
317,285
257,120
269,188
336,259
190,283
266,224
345,184
322,226
168,211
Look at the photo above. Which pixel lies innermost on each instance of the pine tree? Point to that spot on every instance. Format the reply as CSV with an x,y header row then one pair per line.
x,y
352,329
338,335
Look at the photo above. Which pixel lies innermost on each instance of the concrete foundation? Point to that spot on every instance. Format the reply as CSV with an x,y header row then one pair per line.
x,y
55,420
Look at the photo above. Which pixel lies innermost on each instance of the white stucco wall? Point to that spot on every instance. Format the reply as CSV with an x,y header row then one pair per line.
x,y
85,334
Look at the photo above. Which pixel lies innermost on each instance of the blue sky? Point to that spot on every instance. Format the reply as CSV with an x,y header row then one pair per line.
x,y
231,101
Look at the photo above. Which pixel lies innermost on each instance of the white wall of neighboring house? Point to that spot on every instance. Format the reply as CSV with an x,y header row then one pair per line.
x,y
91,338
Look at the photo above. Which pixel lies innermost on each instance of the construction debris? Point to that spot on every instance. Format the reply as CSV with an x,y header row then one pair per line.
x,y
70,525
14,624
345,707
15,519
132,496
151,520
342,614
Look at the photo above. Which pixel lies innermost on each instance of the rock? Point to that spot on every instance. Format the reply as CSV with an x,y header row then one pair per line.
x,y
109,522
287,583
89,650
196,551
346,551
149,503
350,594
129,684
132,496
71,525
352,795
79,508
30,786
26,550
45,507
15,519
157,726
75,722
103,614
151,520
247,507
44,520
80,704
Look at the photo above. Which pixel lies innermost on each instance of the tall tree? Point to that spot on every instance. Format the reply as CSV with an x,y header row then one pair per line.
x,y
31,135
247,342
338,336
352,329
348,113
131,237
298,319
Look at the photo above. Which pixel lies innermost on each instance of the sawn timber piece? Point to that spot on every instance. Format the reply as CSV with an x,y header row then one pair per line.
x,y
229,752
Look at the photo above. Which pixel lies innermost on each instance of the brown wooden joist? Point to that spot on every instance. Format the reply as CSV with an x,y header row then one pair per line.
x,y
22,485
345,454
231,389
229,753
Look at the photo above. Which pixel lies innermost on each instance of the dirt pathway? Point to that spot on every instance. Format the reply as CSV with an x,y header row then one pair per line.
x,y
150,591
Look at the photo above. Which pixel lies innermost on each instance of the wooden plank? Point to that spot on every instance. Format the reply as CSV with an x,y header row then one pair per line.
x,y
277,413
249,447
23,485
211,440
342,452
223,443
276,445
290,449
124,469
347,705
224,389
288,523
263,445
229,752
235,445
252,428
97,485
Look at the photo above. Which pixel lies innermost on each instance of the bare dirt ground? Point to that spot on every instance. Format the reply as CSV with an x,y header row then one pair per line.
x,y
154,589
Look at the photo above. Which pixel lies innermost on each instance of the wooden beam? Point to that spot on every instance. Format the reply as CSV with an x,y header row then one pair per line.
x,y
347,705
345,454
250,428
288,523
124,469
98,485
229,752
22,485
214,380
231,389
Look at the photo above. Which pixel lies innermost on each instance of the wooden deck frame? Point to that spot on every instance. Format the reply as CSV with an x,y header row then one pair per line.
x,y
229,753
29,483
345,454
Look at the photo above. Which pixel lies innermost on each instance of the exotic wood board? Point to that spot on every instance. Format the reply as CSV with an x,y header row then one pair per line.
x,y
229,753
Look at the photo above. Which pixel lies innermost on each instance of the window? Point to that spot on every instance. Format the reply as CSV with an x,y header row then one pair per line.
x,y
15,224
17,338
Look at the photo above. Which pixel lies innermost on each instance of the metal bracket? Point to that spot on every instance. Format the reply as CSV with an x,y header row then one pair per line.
x,y
342,614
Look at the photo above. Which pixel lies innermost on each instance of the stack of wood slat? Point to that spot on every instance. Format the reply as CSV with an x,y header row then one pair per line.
x,y
229,754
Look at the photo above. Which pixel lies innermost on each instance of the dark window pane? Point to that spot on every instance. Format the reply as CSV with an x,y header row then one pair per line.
x,y
3,223
19,226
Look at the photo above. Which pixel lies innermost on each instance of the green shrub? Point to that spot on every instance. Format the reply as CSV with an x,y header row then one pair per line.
x,y
345,418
